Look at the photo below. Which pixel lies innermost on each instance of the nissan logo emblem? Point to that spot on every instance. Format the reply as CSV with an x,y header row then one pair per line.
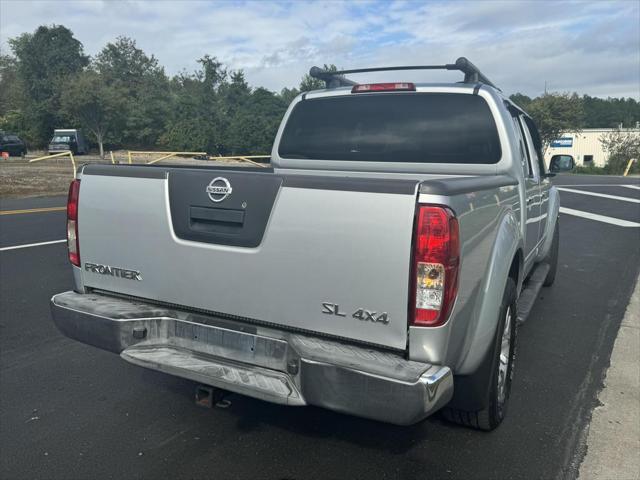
x,y
218,189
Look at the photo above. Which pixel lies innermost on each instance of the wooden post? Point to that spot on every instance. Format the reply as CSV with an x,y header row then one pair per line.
x,y
626,170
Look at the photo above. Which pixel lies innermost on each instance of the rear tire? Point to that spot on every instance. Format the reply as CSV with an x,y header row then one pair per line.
x,y
499,389
552,257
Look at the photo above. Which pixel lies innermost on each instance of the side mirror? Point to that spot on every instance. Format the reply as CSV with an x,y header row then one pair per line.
x,y
561,163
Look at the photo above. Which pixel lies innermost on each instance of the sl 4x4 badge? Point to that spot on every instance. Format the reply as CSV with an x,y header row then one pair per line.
x,y
361,314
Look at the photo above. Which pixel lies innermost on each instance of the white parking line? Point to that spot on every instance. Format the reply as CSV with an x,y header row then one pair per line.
x,y
28,245
597,185
603,195
599,218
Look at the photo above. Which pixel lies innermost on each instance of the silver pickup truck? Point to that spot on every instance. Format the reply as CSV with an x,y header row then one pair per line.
x,y
379,267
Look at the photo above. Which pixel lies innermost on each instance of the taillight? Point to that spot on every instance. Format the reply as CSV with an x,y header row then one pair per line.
x,y
384,87
434,272
72,223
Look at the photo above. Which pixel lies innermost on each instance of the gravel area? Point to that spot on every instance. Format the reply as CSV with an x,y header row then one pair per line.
x,y
19,178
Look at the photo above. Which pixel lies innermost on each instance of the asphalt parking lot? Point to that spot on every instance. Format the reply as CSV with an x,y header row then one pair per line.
x,y
70,411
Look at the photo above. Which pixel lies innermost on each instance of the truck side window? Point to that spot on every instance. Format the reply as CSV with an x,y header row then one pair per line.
x,y
537,144
520,122
524,153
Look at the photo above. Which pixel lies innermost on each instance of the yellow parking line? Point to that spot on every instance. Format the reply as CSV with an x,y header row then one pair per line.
x,y
32,210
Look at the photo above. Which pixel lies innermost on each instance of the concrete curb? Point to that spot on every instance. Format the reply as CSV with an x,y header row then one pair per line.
x,y
613,443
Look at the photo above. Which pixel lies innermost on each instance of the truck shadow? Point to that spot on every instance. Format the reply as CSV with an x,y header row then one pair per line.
x,y
323,424
252,415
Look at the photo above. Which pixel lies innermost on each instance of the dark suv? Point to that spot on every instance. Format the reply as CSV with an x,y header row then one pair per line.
x,y
13,145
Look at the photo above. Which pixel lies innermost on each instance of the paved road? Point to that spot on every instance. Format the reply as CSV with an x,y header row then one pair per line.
x,y
70,411
21,228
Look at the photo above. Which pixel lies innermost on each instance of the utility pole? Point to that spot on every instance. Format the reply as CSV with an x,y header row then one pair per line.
x,y
545,87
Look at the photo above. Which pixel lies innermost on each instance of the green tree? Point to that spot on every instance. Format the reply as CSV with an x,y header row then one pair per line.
x,y
556,113
593,112
216,110
44,60
9,88
197,112
288,94
11,98
233,100
142,81
254,127
610,112
234,94
621,146
94,104
523,101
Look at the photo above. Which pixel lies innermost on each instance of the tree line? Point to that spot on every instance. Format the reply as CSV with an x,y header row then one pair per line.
x,y
123,98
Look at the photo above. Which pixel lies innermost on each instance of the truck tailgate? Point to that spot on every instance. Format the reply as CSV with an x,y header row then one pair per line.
x,y
321,254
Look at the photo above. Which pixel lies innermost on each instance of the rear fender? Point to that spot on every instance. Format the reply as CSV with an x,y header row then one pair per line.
x,y
482,325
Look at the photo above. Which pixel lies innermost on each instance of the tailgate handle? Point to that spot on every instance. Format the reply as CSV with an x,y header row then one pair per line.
x,y
202,217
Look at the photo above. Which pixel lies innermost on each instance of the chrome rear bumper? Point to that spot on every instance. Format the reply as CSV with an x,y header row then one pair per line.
x,y
265,363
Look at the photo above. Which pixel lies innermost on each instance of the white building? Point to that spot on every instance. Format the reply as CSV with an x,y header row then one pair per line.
x,y
585,146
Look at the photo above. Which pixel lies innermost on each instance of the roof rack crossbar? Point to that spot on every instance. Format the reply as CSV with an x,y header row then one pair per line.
x,y
331,79
337,79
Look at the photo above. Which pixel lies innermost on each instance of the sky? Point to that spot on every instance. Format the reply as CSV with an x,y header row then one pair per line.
x,y
591,47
